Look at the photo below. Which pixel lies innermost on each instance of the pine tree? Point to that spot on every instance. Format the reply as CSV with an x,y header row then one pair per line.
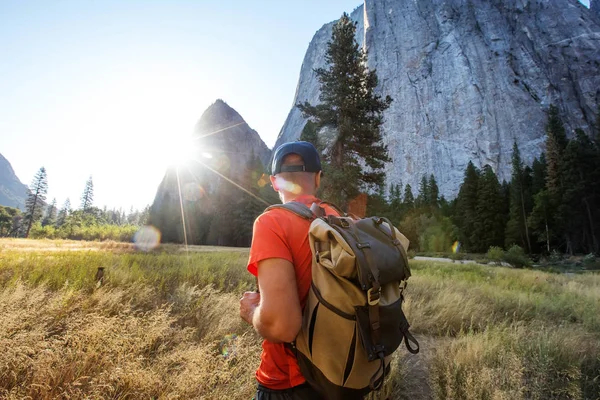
x,y
447,208
395,201
579,194
538,182
434,192
87,197
348,106
466,206
517,231
596,128
35,199
377,204
50,217
489,218
408,202
424,192
144,216
309,134
556,142
10,219
540,219
63,213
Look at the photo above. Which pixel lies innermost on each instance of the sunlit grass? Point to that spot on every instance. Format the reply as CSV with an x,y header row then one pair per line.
x,y
163,271
455,298
165,324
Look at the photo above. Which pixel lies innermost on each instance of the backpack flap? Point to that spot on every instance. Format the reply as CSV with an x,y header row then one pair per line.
x,y
382,248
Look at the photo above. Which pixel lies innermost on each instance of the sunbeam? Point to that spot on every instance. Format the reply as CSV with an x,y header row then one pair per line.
x,y
220,130
233,183
182,212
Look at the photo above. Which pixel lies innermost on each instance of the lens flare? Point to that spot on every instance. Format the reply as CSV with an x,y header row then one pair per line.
x,y
456,247
147,238
264,179
193,192
227,345
291,187
222,163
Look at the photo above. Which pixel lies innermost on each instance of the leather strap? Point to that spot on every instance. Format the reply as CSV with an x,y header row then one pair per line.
x,y
317,210
336,208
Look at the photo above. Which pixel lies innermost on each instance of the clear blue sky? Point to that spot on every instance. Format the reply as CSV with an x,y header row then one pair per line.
x,y
112,89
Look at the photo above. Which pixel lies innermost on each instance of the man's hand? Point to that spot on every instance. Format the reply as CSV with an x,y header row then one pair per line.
x,y
248,303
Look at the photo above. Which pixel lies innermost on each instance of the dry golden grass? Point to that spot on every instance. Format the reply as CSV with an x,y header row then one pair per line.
x,y
165,325
518,362
66,344
47,245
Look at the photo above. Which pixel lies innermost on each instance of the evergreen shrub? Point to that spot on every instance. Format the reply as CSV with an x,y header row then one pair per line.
x,y
516,257
591,262
495,254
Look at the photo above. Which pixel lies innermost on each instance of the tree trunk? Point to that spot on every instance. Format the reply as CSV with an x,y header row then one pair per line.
x,y
525,223
591,221
338,154
32,212
547,236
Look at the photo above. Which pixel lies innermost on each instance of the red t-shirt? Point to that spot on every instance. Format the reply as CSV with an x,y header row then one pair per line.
x,y
281,234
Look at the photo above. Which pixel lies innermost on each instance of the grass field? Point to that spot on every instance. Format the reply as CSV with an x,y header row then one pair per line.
x,y
165,325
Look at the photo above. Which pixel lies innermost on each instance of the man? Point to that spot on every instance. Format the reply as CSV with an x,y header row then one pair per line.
x,y
281,258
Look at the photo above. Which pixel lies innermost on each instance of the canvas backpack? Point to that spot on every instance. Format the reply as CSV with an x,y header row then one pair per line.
x,y
353,319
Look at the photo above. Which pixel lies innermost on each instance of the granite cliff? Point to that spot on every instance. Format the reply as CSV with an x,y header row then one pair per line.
x,y
13,193
595,7
469,77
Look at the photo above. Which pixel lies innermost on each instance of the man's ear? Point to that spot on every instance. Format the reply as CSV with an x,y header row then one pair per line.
x,y
273,180
318,176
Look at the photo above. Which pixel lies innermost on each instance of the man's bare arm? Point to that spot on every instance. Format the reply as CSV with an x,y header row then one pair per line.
x,y
275,314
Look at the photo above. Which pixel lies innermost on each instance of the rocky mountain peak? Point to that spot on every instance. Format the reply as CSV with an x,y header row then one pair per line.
x,y
218,115
222,130
227,149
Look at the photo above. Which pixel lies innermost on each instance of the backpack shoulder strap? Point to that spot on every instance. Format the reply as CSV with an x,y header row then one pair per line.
x,y
336,208
295,207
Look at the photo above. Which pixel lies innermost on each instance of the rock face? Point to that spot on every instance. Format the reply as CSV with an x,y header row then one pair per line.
x,y
12,192
468,77
225,150
595,7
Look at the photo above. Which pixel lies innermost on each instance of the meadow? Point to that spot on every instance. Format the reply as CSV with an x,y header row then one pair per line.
x,y
165,325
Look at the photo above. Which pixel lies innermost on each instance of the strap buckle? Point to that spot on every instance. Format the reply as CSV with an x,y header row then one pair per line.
x,y
373,298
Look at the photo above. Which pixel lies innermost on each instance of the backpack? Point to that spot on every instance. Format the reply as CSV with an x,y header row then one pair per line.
x,y
353,320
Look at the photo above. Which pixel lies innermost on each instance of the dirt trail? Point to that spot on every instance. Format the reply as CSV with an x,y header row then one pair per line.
x,y
416,383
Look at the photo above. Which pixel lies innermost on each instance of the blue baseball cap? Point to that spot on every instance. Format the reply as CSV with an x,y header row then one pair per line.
x,y
306,150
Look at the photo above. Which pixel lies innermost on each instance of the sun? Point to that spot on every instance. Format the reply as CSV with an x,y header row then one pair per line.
x,y
180,153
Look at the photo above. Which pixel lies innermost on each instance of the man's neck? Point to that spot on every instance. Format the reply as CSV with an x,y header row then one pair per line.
x,y
302,198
